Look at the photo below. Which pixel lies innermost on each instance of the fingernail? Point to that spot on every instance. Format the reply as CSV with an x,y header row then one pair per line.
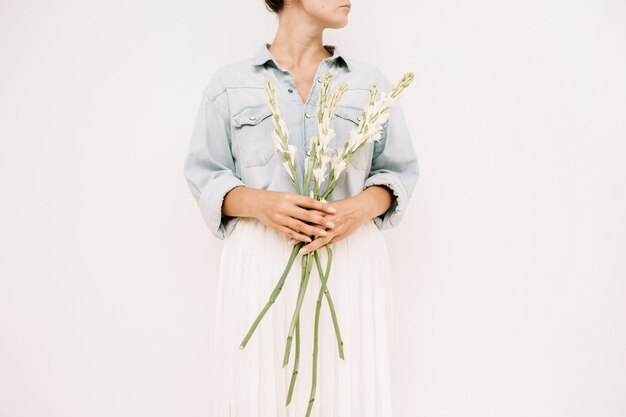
x,y
332,209
302,251
323,232
330,224
308,239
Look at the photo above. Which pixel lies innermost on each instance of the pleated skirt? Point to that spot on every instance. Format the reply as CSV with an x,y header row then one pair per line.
x,y
251,382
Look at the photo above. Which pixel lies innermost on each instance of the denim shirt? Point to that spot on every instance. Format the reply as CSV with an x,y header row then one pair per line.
x,y
231,144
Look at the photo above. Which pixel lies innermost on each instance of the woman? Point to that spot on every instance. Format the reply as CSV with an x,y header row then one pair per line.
x,y
246,198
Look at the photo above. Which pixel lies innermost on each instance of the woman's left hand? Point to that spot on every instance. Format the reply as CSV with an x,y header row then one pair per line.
x,y
349,216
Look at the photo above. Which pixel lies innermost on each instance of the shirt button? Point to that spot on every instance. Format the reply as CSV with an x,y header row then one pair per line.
x,y
319,80
252,117
290,90
307,115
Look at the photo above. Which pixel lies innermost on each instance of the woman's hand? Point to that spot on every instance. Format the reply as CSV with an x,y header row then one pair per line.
x,y
351,213
295,215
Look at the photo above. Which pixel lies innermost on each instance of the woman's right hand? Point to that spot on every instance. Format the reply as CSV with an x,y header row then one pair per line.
x,y
297,216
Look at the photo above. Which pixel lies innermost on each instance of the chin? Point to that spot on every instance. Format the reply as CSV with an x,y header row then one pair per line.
x,y
337,24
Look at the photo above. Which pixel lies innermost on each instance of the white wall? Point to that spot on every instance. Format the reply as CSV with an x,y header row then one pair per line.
x,y
510,294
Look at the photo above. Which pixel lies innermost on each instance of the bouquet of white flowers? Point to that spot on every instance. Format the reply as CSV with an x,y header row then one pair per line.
x,y
317,161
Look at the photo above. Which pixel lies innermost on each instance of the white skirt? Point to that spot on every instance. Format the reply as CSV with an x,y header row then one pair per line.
x,y
252,382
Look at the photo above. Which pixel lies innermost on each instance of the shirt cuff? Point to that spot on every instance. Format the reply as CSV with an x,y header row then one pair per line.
x,y
395,212
219,224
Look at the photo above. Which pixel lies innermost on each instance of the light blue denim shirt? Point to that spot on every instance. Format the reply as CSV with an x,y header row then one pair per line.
x,y
231,144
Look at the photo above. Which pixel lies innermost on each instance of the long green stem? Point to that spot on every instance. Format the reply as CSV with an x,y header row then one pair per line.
x,y
329,190
274,295
294,373
318,307
331,305
308,262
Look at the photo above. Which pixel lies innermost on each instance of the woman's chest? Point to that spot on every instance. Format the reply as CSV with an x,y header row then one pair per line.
x,y
252,125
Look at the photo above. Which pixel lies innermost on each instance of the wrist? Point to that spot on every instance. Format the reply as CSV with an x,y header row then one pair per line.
x,y
364,205
375,200
253,200
242,201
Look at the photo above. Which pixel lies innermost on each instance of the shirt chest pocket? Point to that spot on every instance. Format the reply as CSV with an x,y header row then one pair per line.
x,y
347,118
252,135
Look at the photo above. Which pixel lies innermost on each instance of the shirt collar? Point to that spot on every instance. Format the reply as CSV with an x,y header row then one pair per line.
x,y
263,55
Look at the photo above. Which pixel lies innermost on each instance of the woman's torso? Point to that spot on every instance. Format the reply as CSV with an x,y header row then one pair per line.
x,y
238,91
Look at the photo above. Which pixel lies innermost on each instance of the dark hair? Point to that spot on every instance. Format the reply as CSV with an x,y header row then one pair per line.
x,y
274,5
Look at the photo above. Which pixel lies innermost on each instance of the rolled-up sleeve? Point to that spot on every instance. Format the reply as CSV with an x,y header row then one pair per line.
x,y
394,164
209,166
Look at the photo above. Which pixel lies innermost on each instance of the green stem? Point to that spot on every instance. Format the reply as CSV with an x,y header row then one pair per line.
x,y
294,373
274,295
294,182
329,190
303,287
324,288
318,307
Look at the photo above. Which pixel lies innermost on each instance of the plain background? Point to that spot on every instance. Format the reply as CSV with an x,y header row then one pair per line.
x,y
509,270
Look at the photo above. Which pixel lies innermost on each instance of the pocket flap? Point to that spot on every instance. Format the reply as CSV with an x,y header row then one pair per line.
x,y
349,113
251,115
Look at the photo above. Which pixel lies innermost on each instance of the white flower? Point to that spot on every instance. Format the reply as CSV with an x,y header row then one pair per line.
x,y
375,133
339,167
319,175
355,139
288,169
278,143
292,152
325,159
338,164
319,152
325,138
